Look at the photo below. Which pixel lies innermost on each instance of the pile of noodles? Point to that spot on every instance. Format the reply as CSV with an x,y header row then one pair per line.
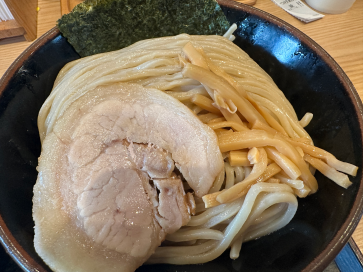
x,y
269,157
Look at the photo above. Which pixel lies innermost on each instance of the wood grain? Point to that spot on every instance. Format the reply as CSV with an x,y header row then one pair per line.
x,y
68,5
25,14
11,48
247,2
10,29
340,35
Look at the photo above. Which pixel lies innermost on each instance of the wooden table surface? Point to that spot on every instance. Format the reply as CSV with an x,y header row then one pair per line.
x,y
340,35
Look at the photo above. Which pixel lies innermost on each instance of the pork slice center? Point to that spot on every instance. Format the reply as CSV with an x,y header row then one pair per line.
x,y
128,197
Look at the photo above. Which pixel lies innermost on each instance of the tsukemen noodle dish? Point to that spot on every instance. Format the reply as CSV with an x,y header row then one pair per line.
x,y
170,150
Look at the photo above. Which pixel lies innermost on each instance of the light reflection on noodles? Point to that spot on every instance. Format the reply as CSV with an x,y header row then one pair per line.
x,y
228,91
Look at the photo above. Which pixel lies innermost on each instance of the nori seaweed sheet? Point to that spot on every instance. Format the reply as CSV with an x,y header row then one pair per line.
x,y
97,26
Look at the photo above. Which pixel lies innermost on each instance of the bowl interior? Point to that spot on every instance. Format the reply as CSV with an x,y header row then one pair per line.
x,y
310,79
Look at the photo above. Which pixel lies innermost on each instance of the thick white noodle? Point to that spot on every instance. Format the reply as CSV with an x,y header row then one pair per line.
x,y
155,63
259,198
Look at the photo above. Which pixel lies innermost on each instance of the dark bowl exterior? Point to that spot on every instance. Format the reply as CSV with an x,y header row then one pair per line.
x,y
308,76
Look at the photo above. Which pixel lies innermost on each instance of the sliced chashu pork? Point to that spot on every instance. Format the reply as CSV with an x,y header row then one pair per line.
x,y
106,194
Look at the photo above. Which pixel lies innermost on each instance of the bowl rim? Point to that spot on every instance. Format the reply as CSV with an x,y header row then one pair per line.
x,y
346,230
27,263
8,241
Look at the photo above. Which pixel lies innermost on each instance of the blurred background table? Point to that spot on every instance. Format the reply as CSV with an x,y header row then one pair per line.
x,y
340,35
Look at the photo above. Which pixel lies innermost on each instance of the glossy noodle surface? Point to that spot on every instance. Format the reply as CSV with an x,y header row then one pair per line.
x,y
268,155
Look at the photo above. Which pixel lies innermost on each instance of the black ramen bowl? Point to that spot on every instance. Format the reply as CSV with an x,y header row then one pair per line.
x,y
308,76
